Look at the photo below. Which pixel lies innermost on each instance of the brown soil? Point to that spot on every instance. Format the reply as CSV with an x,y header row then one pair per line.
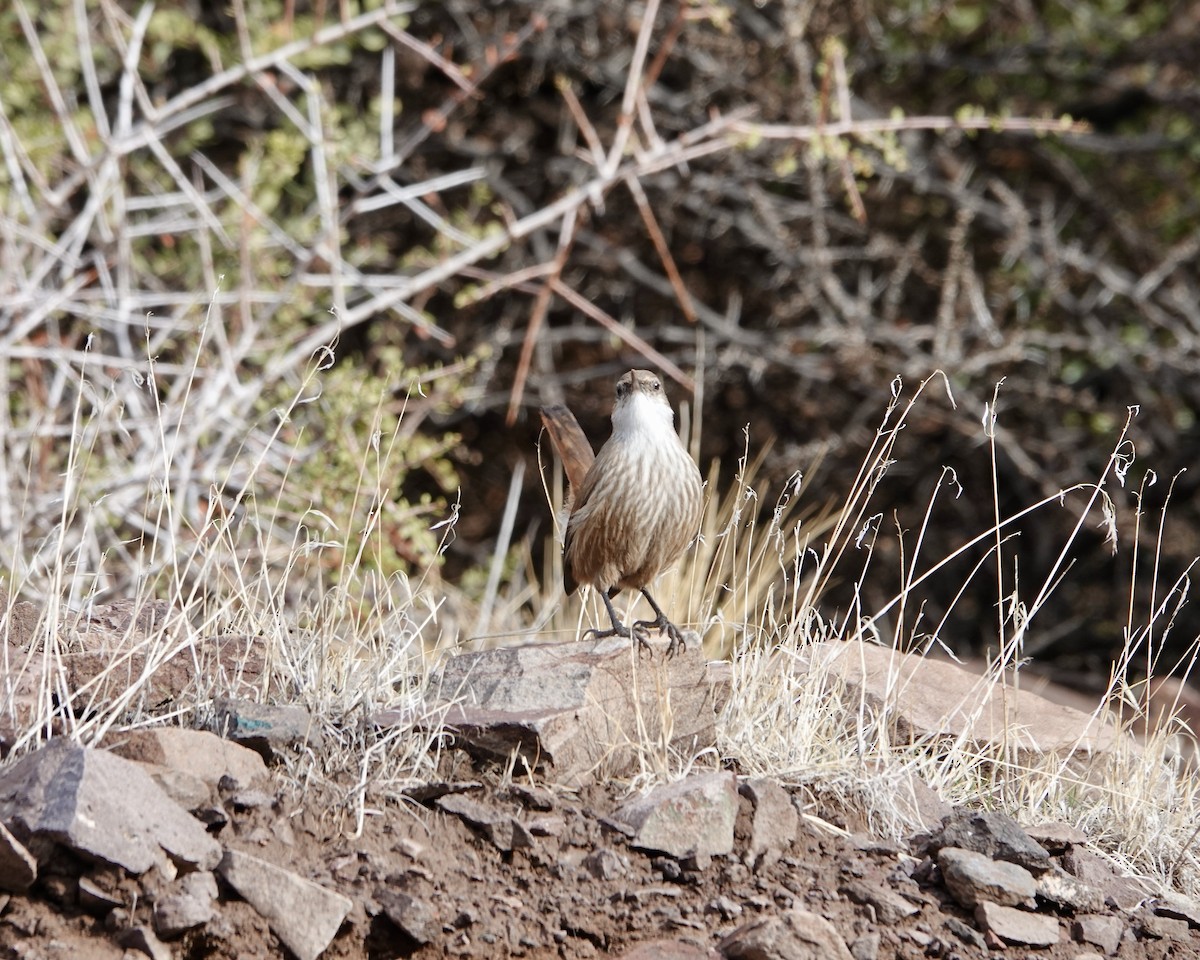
x,y
579,890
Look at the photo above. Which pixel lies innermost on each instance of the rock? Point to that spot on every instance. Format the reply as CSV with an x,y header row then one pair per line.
x,y
412,916
266,729
890,908
302,914
103,807
668,950
1056,837
604,864
18,867
1178,909
1068,892
972,878
994,835
189,906
967,934
197,753
773,825
189,792
930,699
1017,927
1163,928
865,947
793,935
143,939
688,818
505,831
574,711
1125,892
1099,931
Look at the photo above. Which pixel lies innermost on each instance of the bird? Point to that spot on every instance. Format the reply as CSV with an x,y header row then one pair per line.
x,y
635,506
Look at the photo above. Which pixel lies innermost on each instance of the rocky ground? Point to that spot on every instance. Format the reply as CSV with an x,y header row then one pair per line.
x,y
168,842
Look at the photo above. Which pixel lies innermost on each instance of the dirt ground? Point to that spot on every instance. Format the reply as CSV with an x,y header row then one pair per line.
x,y
575,889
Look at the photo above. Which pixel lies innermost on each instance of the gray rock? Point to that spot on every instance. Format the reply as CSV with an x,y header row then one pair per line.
x,y
774,824
504,830
267,729
143,940
197,753
1017,927
971,878
18,867
188,906
1068,892
411,915
793,935
995,835
689,818
931,699
102,807
1056,837
1163,928
574,711
604,864
1099,931
1178,908
967,934
865,947
302,914
890,908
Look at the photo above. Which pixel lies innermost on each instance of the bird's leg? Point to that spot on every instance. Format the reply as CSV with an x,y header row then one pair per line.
x,y
637,632
663,624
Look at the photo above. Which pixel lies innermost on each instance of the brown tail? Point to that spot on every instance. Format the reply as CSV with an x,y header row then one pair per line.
x,y
569,442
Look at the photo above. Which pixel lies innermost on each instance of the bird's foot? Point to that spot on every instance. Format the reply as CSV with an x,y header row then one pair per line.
x,y
663,625
636,633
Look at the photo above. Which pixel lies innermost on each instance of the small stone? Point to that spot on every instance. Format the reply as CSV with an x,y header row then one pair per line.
x,y
144,940
794,935
973,878
1068,892
968,935
604,864
302,914
411,915
774,824
688,818
667,950
865,947
1017,927
1099,931
890,908
189,906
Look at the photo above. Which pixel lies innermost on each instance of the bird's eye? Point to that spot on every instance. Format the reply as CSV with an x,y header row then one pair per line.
x,y
655,385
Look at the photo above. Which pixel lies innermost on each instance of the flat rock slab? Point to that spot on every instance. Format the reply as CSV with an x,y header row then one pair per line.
x,y
935,698
995,835
972,878
103,807
198,753
774,823
579,710
1017,927
689,818
302,914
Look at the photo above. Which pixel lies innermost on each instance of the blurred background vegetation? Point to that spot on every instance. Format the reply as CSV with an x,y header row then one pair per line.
x,y
196,198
